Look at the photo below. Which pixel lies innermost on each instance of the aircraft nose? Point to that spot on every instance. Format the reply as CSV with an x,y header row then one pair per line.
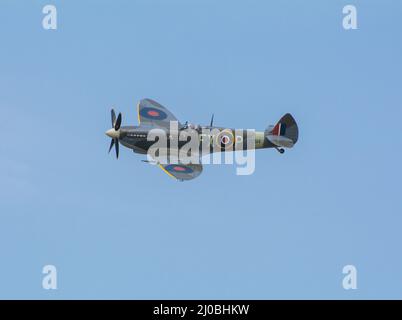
x,y
112,133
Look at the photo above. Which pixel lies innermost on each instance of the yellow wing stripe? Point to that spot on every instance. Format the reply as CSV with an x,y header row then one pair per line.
x,y
167,172
138,113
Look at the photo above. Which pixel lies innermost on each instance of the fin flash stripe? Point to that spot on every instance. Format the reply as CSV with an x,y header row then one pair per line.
x,y
279,130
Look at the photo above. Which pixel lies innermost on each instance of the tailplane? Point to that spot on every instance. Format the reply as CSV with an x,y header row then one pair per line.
x,y
285,133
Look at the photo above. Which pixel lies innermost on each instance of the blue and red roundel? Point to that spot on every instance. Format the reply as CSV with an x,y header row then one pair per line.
x,y
178,168
152,113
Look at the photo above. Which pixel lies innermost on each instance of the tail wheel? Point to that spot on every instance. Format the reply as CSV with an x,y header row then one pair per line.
x,y
280,150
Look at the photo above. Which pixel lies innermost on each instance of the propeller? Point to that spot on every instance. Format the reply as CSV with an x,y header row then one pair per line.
x,y
118,122
114,133
212,120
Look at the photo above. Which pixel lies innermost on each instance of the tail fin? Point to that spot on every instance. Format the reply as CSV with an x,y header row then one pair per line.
x,y
285,133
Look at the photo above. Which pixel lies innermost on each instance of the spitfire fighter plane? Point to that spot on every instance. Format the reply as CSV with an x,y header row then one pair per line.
x,y
152,115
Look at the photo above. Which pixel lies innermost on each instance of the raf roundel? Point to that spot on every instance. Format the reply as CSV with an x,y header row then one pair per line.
x,y
153,113
178,168
225,139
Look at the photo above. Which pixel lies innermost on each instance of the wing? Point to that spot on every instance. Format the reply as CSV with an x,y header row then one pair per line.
x,y
153,114
182,171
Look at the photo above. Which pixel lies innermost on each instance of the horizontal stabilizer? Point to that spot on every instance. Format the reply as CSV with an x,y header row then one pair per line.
x,y
280,141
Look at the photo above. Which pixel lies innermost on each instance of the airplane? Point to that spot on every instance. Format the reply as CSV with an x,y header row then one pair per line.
x,y
152,115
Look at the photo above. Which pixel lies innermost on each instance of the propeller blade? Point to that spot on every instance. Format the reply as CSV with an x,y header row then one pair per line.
x,y
111,145
118,122
117,149
113,118
212,120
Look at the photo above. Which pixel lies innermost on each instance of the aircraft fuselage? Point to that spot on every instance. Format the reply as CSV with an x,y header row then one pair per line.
x,y
137,138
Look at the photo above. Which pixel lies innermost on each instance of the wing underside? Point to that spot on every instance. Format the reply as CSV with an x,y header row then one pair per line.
x,y
152,113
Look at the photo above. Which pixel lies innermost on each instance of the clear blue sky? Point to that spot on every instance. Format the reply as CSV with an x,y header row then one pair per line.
x,y
124,229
